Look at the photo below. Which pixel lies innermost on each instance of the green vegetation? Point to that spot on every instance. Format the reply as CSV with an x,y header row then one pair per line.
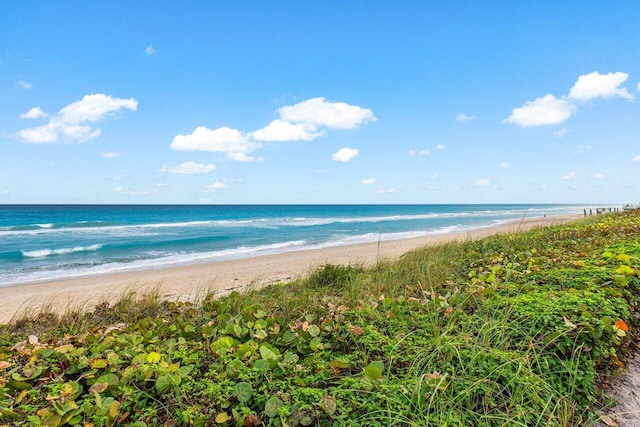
x,y
518,330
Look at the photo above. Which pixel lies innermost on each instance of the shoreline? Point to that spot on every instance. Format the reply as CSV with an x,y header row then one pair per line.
x,y
222,277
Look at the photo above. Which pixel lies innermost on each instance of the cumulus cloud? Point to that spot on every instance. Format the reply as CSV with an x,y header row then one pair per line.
x,y
282,130
298,122
542,111
440,147
149,50
463,118
552,110
368,181
596,85
386,191
25,85
189,168
235,144
570,176
218,185
424,152
504,165
34,113
69,124
482,183
110,155
345,155
320,112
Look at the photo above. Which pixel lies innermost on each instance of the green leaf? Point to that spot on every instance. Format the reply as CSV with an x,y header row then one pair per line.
x,y
314,330
110,380
316,344
163,384
19,385
267,353
340,364
272,406
261,365
373,370
243,391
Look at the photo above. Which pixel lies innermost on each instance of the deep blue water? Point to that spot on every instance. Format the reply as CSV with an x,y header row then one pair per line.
x,y
46,242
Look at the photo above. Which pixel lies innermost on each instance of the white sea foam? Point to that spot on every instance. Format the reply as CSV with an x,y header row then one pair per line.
x,y
42,253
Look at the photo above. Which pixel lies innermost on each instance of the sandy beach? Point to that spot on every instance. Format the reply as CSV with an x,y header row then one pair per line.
x,y
185,282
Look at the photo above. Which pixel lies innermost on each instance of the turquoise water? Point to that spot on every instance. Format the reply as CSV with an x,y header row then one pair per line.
x,y
39,243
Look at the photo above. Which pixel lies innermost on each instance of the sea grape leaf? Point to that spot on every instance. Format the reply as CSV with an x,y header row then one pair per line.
x,y
373,370
243,391
314,330
272,406
222,417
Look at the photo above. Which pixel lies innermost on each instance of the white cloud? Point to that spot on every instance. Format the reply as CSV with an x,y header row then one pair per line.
x,y
281,130
231,142
482,183
110,155
504,165
412,152
596,85
368,181
318,111
599,175
551,110
636,158
66,124
638,87
561,133
441,147
386,191
581,149
424,152
149,50
542,111
570,176
34,113
93,108
130,192
434,176
297,122
218,185
345,155
4,191
189,168
463,118
24,85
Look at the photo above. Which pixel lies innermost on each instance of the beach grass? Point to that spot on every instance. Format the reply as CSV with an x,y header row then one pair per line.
x,y
520,329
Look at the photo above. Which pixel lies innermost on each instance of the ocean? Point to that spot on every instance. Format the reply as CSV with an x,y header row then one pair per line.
x,y
49,242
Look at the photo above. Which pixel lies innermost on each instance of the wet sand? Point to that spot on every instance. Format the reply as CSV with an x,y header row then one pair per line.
x,y
222,277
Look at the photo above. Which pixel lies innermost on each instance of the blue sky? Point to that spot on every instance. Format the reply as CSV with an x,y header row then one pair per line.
x,y
319,102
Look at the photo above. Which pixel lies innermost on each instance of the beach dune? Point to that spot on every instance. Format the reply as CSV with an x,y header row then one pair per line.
x,y
222,277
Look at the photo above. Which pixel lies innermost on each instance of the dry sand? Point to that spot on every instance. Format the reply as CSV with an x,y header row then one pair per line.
x,y
222,277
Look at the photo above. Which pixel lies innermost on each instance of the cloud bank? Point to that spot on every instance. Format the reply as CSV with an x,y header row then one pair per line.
x,y
304,121
70,123
549,109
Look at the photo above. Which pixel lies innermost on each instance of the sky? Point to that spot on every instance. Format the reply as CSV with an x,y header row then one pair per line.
x,y
252,102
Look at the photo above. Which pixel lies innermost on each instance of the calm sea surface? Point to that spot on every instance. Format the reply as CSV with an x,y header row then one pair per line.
x,y
39,242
